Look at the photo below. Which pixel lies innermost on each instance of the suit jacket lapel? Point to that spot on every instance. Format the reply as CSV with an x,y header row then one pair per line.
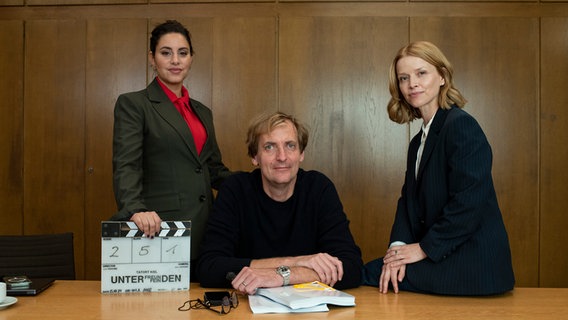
x,y
195,106
432,138
412,189
171,115
412,153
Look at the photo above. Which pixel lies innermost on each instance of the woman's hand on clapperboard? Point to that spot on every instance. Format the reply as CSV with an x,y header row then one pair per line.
x,y
148,222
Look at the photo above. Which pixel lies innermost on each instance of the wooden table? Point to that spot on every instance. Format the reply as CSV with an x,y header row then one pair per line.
x,y
82,300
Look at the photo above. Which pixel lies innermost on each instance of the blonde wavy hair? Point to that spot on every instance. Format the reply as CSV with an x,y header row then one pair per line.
x,y
400,111
265,123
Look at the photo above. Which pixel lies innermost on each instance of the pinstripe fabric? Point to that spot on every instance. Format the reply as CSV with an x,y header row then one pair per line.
x,y
451,209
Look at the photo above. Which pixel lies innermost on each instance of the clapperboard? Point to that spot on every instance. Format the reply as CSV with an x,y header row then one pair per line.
x,y
131,262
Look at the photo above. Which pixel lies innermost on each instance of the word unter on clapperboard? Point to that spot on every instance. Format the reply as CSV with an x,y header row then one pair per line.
x,y
132,262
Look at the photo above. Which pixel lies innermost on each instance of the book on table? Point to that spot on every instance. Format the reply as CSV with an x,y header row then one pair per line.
x,y
304,297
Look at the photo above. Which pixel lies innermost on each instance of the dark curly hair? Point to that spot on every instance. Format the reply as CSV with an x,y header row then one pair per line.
x,y
170,26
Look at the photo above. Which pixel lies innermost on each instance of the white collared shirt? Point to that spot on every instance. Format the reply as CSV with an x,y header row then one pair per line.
x,y
425,130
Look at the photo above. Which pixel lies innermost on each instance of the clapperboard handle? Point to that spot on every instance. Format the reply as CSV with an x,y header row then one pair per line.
x,y
128,229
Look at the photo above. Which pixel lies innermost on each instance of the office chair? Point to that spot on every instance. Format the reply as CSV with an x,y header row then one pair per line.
x,y
38,256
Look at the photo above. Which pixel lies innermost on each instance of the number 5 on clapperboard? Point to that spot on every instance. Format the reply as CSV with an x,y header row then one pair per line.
x,y
131,262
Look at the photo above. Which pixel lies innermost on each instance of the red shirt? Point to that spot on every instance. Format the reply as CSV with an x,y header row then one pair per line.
x,y
182,105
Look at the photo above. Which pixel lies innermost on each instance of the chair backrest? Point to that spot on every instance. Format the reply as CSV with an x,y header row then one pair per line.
x,y
38,256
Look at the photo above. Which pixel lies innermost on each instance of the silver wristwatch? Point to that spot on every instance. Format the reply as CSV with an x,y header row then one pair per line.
x,y
284,271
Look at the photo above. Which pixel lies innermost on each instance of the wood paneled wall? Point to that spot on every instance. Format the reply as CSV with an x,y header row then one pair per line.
x,y
64,63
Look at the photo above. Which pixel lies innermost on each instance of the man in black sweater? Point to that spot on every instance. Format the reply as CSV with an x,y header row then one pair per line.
x,y
278,224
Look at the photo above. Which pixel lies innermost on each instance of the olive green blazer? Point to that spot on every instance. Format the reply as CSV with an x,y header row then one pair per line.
x,y
155,163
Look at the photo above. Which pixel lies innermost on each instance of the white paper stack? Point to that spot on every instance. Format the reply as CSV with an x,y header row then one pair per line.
x,y
299,298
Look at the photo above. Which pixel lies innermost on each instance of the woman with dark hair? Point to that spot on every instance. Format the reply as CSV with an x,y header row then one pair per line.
x,y
165,154
448,236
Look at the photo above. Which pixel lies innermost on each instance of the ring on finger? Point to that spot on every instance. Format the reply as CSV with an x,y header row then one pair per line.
x,y
244,284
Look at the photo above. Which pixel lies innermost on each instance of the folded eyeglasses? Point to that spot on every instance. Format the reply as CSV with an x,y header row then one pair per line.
x,y
227,304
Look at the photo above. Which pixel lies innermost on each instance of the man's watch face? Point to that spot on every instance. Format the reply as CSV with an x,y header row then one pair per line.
x,y
283,269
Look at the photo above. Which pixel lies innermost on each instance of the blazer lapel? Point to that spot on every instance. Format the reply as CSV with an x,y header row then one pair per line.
x,y
171,115
432,138
198,110
412,153
412,187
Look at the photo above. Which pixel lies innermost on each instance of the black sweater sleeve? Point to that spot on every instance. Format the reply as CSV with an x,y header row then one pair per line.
x,y
219,245
240,228
335,237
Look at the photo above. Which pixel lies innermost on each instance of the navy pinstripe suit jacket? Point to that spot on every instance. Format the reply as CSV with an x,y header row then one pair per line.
x,y
451,209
